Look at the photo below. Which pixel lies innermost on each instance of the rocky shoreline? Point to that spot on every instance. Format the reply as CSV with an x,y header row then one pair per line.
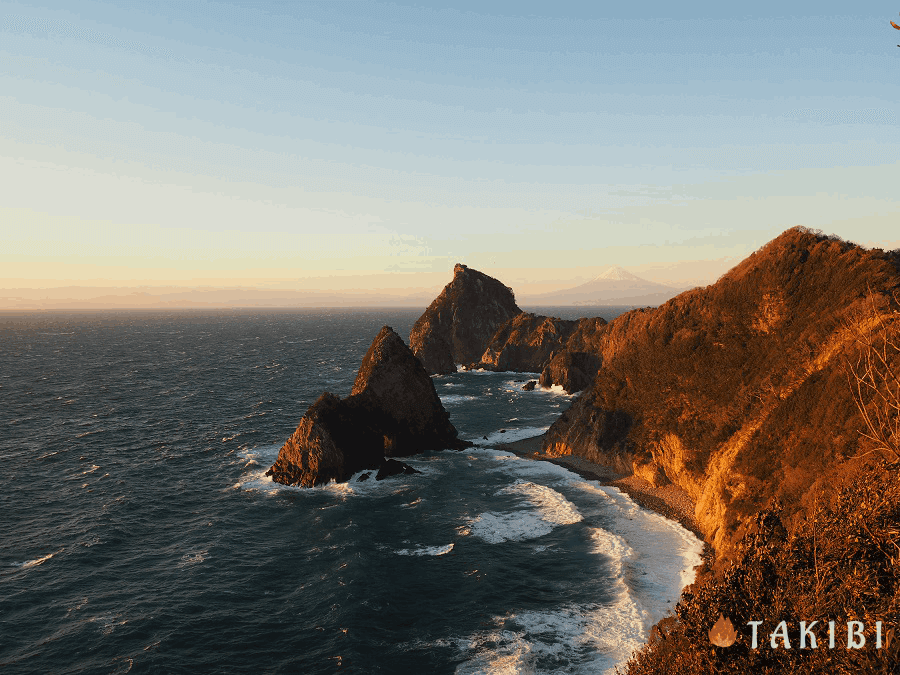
x,y
669,501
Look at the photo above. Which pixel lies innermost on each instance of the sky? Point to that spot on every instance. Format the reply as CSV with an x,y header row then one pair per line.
x,y
347,145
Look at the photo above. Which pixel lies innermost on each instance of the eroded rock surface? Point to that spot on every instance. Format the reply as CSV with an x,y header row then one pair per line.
x,y
457,327
393,411
526,342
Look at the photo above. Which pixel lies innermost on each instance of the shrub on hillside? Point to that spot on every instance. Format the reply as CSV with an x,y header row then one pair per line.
x,y
840,565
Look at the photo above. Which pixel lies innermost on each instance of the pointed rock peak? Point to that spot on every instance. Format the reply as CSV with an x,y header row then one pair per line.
x,y
616,273
459,324
387,356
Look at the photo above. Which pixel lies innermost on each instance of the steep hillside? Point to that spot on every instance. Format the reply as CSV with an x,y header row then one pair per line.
x,y
738,392
839,565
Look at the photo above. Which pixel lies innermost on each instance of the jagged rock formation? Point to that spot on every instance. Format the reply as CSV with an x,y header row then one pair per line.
x,y
526,343
392,411
738,392
459,324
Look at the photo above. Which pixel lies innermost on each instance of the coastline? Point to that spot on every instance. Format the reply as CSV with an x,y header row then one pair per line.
x,y
669,501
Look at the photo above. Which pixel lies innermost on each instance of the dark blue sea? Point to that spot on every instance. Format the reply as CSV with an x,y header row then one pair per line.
x,y
138,532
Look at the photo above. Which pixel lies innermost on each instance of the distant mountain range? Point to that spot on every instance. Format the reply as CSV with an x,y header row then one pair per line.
x,y
615,286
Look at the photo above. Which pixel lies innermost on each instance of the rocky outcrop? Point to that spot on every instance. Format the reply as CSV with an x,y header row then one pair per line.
x,y
576,365
392,411
573,371
738,392
459,324
526,343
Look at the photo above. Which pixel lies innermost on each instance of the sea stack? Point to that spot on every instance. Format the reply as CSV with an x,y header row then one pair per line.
x,y
392,411
459,324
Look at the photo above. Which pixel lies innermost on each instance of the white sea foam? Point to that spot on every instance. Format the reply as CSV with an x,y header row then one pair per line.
x,y
453,399
663,553
426,550
610,544
549,510
556,389
648,560
258,460
482,371
107,623
509,435
582,639
496,528
553,507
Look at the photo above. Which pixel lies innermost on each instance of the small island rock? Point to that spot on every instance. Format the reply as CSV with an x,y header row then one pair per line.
x,y
393,411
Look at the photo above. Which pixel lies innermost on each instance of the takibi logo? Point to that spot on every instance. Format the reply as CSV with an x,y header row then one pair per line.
x,y
723,634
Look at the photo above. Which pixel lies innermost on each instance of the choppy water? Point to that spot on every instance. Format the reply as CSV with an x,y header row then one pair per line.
x,y
140,535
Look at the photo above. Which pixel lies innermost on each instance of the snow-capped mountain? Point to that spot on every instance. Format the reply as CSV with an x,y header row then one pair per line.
x,y
614,286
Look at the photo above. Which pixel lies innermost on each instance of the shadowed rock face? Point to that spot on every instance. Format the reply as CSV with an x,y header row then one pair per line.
x,y
393,381
738,392
459,324
393,411
576,365
526,342
573,371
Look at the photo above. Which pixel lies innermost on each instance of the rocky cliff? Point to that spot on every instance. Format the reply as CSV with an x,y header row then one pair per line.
x,y
576,365
526,343
738,392
457,327
392,411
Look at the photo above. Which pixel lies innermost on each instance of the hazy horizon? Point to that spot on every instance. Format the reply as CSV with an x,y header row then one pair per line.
x,y
366,148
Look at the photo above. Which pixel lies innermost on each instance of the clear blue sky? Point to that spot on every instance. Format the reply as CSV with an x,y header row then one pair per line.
x,y
271,142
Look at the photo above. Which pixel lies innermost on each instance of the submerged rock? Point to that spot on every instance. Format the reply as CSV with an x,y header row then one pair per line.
x,y
393,411
391,467
459,324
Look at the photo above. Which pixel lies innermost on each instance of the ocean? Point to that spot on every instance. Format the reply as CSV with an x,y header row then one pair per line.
x,y
138,532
